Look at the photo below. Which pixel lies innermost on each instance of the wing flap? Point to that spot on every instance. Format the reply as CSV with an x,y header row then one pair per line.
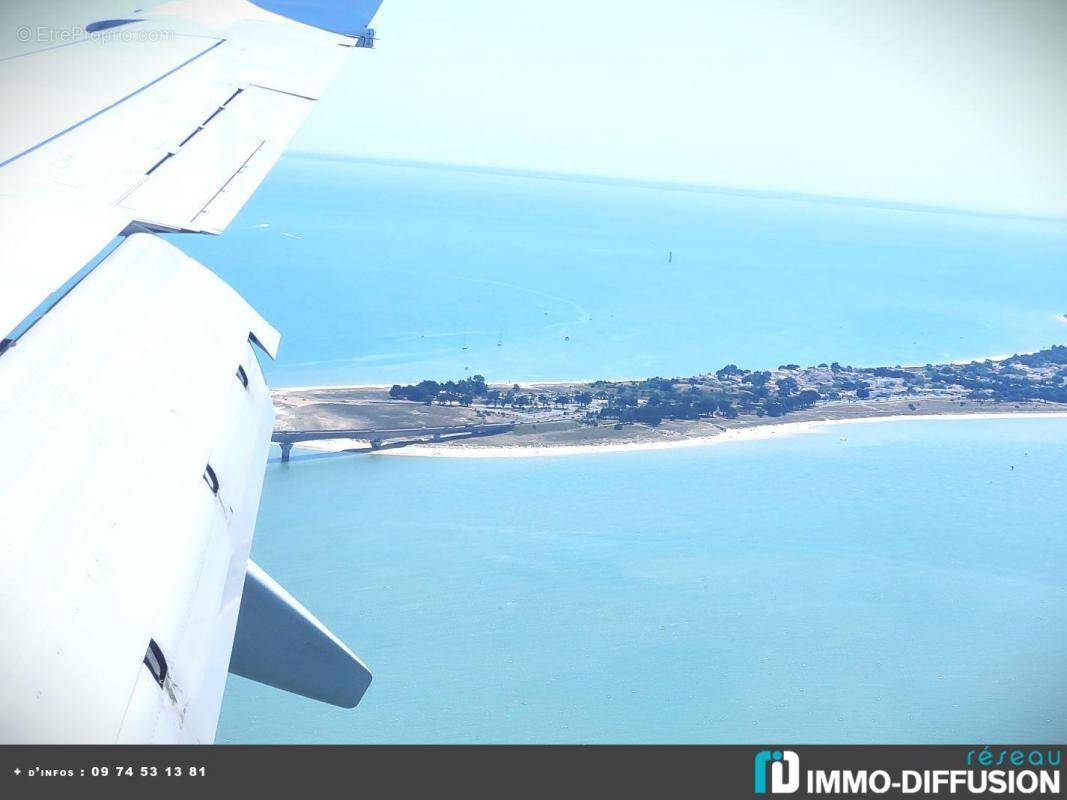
x,y
143,140
203,185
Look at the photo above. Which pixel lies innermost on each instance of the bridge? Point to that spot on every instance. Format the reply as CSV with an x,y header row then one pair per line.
x,y
378,437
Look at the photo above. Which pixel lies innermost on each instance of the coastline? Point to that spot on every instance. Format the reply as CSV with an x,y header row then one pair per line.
x,y
328,387
756,432
525,384
563,418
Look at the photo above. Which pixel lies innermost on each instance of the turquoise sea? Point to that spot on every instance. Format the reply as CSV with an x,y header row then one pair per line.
x,y
884,582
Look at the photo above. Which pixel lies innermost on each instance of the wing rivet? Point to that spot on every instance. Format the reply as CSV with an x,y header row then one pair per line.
x,y
211,479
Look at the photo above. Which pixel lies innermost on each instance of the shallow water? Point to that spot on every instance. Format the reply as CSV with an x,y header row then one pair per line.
x,y
904,584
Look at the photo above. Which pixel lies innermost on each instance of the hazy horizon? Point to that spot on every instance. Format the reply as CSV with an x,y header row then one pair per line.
x,y
669,185
949,105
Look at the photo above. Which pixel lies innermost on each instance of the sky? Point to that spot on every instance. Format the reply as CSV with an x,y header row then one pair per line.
x,y
955,103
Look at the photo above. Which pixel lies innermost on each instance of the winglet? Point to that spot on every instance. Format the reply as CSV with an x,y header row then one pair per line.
x,y
280,643
348,17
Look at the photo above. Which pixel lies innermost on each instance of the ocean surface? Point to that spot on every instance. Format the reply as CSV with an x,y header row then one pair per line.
x,y
882,582
904,585
397,269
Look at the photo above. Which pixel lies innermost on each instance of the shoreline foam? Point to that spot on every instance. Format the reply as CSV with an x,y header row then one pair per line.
x,y
753,433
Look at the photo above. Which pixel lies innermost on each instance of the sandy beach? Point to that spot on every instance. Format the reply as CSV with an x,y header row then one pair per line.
x,y
737,435
326,387
523,384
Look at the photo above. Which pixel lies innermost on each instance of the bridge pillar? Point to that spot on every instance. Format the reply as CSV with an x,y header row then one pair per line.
x,y
286,448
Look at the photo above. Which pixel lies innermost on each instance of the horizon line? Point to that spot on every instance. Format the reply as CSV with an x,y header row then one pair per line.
x,y
678,186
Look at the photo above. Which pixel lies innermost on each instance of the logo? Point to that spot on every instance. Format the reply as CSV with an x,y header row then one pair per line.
x,y
1004,772
784,768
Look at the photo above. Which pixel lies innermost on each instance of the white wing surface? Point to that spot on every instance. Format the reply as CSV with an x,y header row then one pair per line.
x,y
167,122
136,415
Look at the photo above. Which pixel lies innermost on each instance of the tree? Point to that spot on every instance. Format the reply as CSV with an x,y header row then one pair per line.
x,y
787,385
773,408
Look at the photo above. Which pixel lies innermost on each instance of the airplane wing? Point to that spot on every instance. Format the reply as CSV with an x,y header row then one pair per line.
x,y
137,418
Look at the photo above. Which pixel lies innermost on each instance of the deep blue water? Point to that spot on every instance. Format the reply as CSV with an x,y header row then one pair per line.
x,y
889,582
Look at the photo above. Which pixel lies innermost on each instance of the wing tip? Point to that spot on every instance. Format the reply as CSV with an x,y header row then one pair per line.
x,y
349,18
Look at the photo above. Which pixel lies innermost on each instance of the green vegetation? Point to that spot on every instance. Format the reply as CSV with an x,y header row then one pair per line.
x,y
449,392
731,392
